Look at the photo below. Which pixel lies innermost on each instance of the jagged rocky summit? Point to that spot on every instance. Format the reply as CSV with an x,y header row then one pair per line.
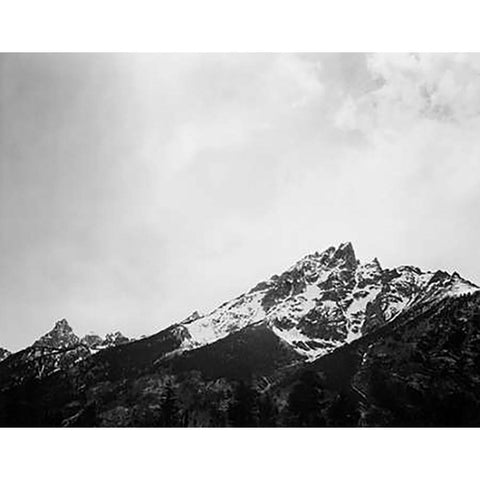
x,y
62,336
325,300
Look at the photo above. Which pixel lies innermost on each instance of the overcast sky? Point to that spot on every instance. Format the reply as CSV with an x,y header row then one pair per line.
x,y
135,189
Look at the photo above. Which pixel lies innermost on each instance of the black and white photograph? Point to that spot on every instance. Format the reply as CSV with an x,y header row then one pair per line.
x,y
239,240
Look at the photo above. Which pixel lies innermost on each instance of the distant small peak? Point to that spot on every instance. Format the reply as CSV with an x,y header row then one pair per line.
x,y
116,338
115,334
192,317
91,339
345,245
327,251
91,334
375,263
439,275
61,335
326,255
62,324
408,268
454,276
346,252
319,255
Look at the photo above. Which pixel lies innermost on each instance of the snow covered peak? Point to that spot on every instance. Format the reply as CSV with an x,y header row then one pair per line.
x,y
342,256
95,342
441,284
314,261
323,301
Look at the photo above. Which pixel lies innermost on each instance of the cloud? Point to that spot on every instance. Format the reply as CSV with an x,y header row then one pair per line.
x,y
252,93
419,119
415,87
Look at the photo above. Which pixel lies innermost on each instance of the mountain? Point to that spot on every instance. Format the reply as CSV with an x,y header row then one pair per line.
x,y
59,338
96,342
58,349
426,371
323,301
62,337
315,345
420,370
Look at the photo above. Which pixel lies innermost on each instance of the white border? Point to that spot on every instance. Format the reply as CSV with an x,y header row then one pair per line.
x,y
238,454
232,26
246,25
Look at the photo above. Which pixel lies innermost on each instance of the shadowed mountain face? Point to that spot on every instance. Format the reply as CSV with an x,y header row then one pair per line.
x,y
324,330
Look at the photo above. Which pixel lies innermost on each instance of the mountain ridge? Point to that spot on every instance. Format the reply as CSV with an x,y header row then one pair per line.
x,y
58,349
323,301
323,315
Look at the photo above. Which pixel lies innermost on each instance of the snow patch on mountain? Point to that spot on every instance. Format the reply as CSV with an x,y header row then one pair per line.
x,y
229,318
